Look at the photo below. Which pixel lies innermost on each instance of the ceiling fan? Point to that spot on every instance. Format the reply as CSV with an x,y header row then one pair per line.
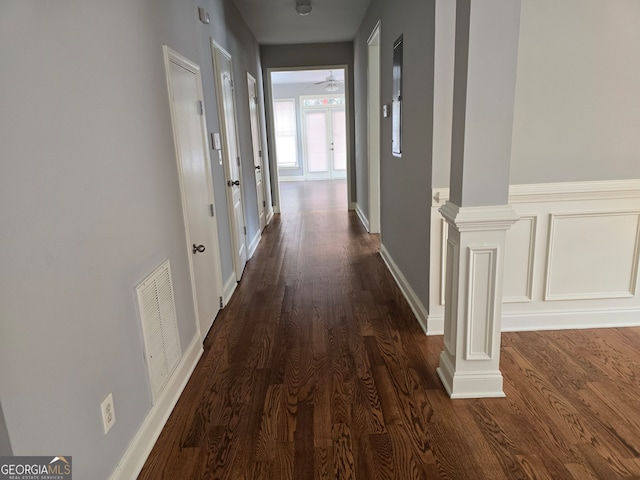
x,y
331,82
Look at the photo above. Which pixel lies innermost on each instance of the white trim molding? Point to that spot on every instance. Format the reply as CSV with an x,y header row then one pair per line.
x,y
571,261
255,241
560,192
140,447
410,296
229,288
270,214
363,218
481,299
621,279
479,219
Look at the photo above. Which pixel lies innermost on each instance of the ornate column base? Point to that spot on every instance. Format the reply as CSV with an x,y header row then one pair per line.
x,y
470,363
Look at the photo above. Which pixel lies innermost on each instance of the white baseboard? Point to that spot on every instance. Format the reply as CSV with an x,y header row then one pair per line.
x,y
363,218
276,209
253,244
605,318
229,287
140,447
435,324
269,217
353,205
567,320
416,305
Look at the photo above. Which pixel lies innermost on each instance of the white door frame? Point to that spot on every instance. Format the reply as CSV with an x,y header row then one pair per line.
x,y
237,262
373,128
256,142
171,56
273,168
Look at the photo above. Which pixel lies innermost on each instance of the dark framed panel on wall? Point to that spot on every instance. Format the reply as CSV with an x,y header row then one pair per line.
x,y
396,101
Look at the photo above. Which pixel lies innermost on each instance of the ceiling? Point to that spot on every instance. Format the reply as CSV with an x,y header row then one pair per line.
x,y
275,22
305,76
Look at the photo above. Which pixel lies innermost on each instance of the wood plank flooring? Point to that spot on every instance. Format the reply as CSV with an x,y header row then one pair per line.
x,y
317,369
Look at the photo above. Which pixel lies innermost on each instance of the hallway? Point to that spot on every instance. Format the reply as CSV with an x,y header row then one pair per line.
x,y
317,369
313,195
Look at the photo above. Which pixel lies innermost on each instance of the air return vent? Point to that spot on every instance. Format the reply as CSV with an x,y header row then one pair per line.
x,y
159,326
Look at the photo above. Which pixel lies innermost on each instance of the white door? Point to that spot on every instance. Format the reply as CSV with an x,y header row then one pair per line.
x,y
227,107
196,186
256,141
325,142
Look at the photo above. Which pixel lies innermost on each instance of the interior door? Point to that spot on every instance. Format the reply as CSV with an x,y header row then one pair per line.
x,y
226,100
256,141
325,143
196,186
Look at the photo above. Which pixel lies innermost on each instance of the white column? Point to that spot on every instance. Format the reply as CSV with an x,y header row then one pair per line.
x,y
469,364
477,213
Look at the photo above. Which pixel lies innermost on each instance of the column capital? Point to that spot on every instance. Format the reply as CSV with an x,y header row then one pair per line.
x,y
470,219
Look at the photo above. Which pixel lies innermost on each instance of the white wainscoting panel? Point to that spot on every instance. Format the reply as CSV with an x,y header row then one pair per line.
x,y
519,258
592,255
572,261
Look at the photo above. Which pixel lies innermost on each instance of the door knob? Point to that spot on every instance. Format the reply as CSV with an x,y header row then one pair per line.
x,y
198,248
231,183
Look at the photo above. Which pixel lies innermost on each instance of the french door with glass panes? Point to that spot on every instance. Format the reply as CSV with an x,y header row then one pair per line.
x,y
325,142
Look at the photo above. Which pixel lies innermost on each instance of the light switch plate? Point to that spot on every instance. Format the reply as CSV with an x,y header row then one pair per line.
x,y
215,137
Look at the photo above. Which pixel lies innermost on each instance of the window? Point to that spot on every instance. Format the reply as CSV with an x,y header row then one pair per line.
x,y
321,101
284,115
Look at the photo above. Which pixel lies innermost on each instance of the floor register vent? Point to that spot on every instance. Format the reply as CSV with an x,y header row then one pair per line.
x,y
159,326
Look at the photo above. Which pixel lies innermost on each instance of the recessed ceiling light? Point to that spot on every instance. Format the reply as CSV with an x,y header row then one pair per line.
x,y
303,7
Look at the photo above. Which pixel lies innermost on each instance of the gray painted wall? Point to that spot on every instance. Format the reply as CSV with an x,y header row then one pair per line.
x,y
5,443
314,55
405,182
295,91
577,113
90,205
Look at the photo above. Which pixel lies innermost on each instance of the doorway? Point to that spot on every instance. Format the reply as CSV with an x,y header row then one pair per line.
x,y
324,138
309,126
196,186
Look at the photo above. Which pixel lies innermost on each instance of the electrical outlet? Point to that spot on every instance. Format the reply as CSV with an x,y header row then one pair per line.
x,y
108,413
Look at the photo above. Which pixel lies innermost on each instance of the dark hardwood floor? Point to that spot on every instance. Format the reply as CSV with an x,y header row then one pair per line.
x,y
317,369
